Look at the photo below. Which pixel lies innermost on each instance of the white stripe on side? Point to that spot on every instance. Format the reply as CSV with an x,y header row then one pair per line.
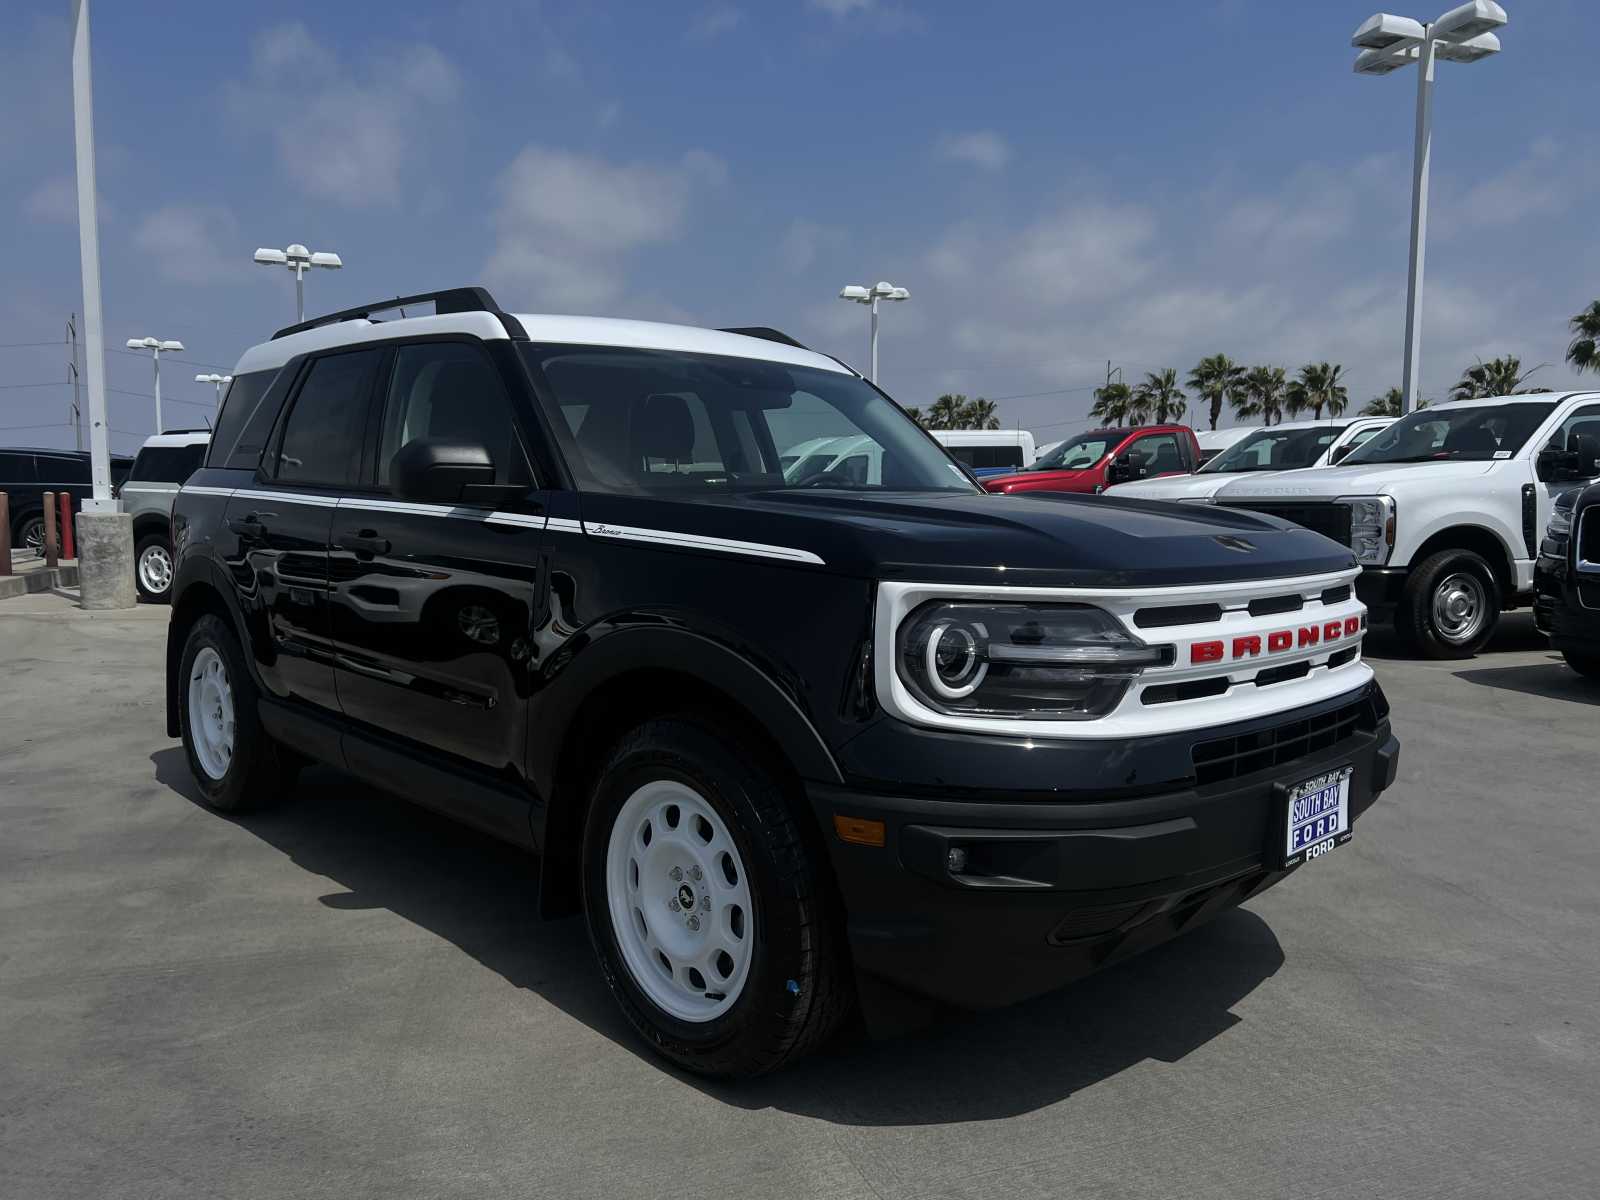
x,y
200,490
696,541
564,525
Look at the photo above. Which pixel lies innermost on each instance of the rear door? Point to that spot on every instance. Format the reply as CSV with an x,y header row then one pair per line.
x,y
433,604
282,523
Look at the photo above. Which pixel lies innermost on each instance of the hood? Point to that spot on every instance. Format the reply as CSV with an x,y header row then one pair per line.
x,y
1032,539
1319,483
1084,479
1174,487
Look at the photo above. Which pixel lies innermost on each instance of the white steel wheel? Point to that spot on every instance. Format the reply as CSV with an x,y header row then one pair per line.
x,y
1460,607
155,569
211,721
679,899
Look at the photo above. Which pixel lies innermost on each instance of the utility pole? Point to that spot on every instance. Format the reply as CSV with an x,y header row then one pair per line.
x,y
72,370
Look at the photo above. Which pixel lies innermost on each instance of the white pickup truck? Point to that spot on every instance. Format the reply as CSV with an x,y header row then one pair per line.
x,y
1444,509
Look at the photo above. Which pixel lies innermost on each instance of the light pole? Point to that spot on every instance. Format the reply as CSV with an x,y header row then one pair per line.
x,y
299,260
1387,43
221,381
870,296
155,346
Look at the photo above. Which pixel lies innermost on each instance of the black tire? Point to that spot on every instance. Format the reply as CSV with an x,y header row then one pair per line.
x,y
30,535
258,770
1587,665
1463,575
154,543
798,990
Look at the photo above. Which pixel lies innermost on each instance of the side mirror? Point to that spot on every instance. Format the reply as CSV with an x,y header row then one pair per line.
x,y
1122,470
442,472
1555,465
1585,453
1339,453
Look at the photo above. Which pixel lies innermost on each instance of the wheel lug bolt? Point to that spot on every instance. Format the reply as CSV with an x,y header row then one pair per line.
x,y
674,905
696,874
694,923
676,873
705,903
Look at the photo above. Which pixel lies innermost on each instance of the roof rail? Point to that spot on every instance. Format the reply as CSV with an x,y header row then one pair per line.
x,y
766,334
447,300
165,432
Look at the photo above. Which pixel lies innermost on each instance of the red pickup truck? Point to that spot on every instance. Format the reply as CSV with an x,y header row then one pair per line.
x,y
1093,461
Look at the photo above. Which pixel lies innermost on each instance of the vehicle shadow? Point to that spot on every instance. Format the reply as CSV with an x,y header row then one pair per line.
x,y
1515,632
482,896
1551,680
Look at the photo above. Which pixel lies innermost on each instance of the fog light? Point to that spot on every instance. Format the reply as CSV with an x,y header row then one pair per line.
x,y
957,860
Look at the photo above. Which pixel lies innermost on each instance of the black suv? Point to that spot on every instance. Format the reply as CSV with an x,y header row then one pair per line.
x,y
1566,580
27,474
793,737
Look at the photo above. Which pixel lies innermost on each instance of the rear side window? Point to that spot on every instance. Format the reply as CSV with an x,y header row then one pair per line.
x,y
236,432
321,440
981,458
62,470
167,464
17,468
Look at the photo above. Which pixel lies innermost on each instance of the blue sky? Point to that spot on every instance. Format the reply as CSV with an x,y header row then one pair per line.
x,y
1057,184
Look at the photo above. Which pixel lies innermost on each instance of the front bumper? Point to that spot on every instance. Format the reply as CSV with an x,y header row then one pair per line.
x,y
1052,891
1566,610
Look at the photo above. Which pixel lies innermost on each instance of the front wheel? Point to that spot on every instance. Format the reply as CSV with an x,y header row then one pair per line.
x,y
236,764
30,536
152,560
715,925
1450,605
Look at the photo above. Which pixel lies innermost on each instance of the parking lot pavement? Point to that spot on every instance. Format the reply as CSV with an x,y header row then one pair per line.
x,y
346,996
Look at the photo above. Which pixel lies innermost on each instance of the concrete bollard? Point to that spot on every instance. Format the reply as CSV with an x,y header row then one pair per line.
x,y
105,560
52,559
68,550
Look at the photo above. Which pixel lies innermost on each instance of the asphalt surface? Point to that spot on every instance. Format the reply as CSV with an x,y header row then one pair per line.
x,y
346,996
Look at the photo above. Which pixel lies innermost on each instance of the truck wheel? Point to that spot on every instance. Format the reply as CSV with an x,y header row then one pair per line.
x,y
236,764
152,569
1587,665
715,925
1450,605
30,535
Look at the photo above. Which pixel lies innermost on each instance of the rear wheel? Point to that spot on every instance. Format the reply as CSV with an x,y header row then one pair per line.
x,y
1587,665
152,570
30,535
236,764
715,925
1450,605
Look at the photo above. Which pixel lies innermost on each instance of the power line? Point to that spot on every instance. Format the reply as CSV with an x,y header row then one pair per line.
x,y
20,345
193,362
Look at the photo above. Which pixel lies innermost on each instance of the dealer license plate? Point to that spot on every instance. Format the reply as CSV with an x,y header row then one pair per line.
x,y
1318,818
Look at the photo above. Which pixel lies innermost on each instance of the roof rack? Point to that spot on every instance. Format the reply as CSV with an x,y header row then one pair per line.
x,y
766,334
447,300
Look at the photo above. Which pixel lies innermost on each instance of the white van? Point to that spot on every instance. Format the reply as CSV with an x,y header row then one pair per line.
x,y
988,451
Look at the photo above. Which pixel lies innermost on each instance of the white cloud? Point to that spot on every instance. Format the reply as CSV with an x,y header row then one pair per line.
x,y
982,148
715,20
566,222
192,243
343,132
1542,184
54,200
843,8
803,242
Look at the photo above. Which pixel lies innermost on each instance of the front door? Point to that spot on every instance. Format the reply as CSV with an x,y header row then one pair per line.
x,y
433,604
280,525
1582,422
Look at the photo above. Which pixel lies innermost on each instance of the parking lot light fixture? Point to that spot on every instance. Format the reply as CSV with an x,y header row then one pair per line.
x,y
1465,34
299,260
221,381
860,294
155,346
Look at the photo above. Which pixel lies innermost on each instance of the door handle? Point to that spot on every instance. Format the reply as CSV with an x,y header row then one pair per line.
x,y
247,527
364,541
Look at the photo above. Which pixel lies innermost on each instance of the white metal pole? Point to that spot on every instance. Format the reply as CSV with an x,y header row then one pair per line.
x,y
89,257
299,292
77,390
1421,154
155,357
874,355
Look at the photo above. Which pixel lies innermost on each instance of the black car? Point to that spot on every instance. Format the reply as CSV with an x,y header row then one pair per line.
x,y
792,738
27,474
1566,580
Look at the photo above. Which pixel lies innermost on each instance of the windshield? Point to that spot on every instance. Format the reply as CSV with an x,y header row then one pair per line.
x,y
1275,450
1476,434
663,422
1078,453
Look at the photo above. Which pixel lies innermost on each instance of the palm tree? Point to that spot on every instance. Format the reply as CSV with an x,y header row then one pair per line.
x,y
1162,398
1111,403
1584,350
1262,394
946,411
980,414
1318,386
1139,406
1386,405
1497,377
917,415
1216,378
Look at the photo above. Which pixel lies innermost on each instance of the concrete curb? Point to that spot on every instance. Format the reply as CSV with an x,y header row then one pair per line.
x,y
28,582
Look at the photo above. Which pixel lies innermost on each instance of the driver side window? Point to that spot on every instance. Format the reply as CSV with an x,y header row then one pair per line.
x,y
1580,432
450,391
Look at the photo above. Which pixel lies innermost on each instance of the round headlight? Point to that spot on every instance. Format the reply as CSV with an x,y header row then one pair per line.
x,y
956,659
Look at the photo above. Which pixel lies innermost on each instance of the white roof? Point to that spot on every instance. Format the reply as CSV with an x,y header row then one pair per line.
x,y
1519,398
981,437
579,331
193,438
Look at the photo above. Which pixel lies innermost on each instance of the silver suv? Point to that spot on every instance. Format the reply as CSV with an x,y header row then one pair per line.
x,y
164,462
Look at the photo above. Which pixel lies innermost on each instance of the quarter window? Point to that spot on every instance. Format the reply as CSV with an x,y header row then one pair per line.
x,y
321,441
